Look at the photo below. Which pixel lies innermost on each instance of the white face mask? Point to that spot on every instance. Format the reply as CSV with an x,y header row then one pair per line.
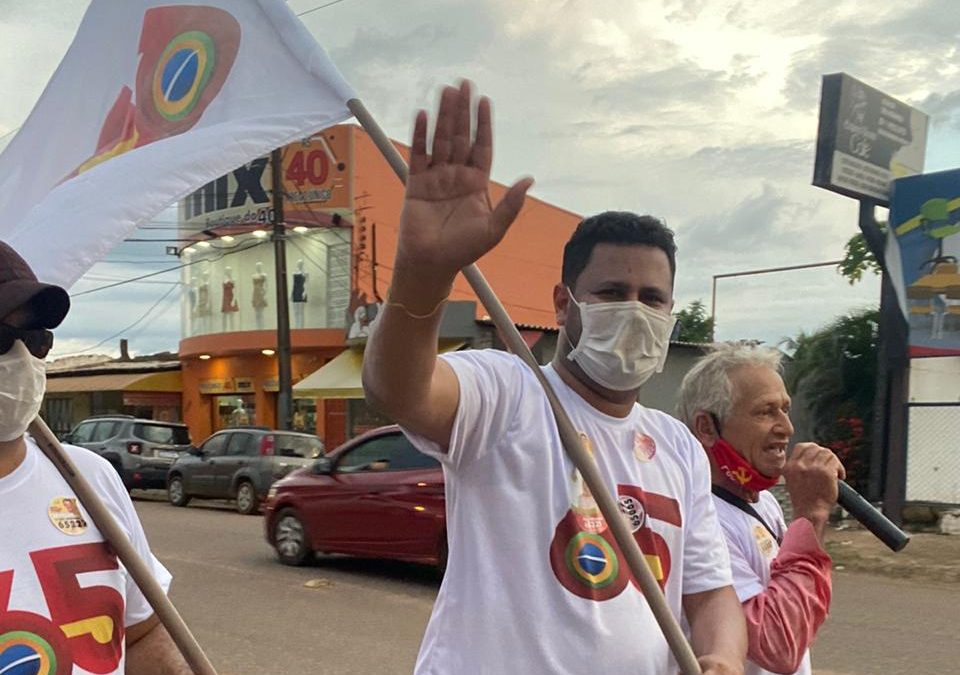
x,y
23,379
622,344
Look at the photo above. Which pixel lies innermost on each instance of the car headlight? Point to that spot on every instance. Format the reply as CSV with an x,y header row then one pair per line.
x,y
271,493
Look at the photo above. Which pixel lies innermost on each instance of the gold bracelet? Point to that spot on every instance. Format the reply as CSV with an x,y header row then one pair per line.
x,y
400,305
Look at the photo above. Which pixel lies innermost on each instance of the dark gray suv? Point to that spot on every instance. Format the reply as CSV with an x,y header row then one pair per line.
x,y
240,463
140,450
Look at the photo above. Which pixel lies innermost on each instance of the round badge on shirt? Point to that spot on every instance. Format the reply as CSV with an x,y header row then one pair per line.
x,y
644,447
66,516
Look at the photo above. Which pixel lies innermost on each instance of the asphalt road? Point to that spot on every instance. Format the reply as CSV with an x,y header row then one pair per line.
x,y
253,615
345,616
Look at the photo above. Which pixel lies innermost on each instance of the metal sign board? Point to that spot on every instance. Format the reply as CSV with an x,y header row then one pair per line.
x,y
866,139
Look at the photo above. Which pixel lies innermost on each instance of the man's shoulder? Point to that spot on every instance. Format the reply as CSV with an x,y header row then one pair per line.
x,y
488,355
87,461
90,464
665,420
769,504
494,363
736,526
674,433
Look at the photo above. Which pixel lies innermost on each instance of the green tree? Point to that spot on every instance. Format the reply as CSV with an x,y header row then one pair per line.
x,y
695,325
833,374
858,258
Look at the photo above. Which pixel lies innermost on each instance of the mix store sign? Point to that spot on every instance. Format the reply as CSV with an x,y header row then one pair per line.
x,y
316,184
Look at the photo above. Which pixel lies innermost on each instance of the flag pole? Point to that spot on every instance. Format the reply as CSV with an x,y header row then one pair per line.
x,y
610,509
117,539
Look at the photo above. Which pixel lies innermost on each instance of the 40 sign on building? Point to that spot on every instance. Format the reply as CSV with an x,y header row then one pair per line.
x,y
315,183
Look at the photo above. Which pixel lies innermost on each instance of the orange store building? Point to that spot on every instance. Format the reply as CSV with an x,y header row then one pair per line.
x,y
342,210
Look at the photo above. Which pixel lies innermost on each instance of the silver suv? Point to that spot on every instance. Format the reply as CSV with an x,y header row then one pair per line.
x,y
140,450
240,463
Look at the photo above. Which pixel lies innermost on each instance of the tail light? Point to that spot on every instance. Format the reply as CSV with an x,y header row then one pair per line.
x,y
134,448
266,445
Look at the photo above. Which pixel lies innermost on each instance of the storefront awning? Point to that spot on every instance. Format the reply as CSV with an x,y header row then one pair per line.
x,y
340,378
168,381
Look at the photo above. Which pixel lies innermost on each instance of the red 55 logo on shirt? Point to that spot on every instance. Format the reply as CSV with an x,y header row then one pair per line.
x,y
591,564
86,622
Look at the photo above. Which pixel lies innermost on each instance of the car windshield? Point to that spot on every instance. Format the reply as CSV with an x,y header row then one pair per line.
x,y
162,433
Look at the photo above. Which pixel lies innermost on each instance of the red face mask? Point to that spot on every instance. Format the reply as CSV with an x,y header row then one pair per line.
x,y
737,469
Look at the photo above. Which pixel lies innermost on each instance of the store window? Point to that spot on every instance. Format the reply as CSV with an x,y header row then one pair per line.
x,y
362,418
304,415
58,413
235,410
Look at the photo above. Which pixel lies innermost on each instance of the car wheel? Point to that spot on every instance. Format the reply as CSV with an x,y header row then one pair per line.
x,y
175,492
247,502
290,538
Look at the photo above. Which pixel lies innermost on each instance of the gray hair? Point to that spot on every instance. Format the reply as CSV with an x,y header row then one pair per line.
x,y
706,387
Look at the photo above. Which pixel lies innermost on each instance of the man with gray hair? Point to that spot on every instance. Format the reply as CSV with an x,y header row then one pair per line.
x,y
735,403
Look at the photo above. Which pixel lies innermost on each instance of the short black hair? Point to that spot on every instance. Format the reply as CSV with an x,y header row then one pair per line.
x,y
615,227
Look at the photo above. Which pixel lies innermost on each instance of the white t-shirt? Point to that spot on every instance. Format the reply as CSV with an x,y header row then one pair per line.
x,y
64,597
535,582
752,549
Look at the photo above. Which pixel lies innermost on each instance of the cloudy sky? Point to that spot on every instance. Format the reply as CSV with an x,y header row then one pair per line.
x,y
703,112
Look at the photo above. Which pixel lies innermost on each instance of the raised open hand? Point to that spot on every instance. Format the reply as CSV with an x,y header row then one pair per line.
x,y
448,221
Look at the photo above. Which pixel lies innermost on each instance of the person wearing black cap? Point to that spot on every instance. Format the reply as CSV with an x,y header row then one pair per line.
x,y
66,604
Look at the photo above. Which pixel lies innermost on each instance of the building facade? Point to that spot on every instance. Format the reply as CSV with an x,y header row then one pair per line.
x,y
342,205
148,387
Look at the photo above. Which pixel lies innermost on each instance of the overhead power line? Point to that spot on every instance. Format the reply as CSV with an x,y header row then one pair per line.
x,y
130,327
235,249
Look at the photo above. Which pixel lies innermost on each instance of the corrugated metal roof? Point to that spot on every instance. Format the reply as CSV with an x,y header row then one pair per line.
x,y
114,367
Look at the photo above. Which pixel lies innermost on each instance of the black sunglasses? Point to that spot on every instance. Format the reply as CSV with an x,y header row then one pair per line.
x,y
39,341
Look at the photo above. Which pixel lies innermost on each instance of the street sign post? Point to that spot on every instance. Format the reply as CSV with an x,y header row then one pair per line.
x,y
866,139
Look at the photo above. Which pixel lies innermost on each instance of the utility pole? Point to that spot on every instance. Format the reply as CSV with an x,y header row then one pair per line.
x,y
888,455
284,377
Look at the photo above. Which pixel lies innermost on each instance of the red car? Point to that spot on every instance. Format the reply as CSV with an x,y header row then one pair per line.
x,y
375,496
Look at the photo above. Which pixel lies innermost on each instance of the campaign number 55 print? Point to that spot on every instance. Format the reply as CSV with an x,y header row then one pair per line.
x,y
86,621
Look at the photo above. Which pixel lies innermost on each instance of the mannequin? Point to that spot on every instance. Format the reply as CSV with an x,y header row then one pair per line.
x,y
299,295
360,326
228,305
203,304
299,421
259,294
239,417
192,297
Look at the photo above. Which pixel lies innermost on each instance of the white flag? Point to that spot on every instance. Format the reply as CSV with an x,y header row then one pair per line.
x,y
152,101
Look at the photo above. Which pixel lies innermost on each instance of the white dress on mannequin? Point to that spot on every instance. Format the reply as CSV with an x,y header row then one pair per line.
x,y
259,297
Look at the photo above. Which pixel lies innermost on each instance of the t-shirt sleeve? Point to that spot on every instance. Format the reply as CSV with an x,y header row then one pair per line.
x,y
706,564
490,388
107,483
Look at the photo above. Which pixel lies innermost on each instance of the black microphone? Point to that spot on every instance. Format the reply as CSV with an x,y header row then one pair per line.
x,y
871,517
